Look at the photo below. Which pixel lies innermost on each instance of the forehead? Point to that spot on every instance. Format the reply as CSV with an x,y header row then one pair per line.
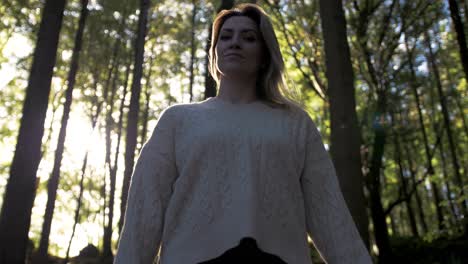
x,y
236,23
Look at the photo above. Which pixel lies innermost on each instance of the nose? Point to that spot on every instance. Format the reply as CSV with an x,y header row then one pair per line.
x,y
235,42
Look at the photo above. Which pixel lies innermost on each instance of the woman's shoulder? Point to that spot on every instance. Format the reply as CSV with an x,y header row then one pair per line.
x,y
297,112
178,110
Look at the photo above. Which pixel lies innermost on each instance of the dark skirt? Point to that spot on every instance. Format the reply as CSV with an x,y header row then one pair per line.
x,y
246,252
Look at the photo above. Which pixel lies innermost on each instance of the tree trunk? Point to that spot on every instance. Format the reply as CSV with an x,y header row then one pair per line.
x,y
144,118
461,38
48,138
345,134
132,119
404,183
79,202
377,211
107,243
416,193
465,7
94,120
193,48
122,107
108,101
146,110
107,252
447,125
414,89
15,217
393,225
447,181
437,200
456,96
53,182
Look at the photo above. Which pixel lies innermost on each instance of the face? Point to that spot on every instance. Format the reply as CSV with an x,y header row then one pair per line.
x,y
239,48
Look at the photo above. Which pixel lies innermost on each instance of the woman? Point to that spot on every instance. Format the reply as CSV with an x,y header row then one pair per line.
x,y
241,177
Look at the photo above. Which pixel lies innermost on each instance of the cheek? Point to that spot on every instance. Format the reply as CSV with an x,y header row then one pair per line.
x,y
216,54
218,50
256,55
219,47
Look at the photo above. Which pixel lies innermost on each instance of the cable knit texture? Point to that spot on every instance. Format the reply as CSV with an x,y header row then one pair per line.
x,y
214,172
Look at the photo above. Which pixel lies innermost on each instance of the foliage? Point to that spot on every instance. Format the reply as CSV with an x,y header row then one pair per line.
x,y
381,34
440,250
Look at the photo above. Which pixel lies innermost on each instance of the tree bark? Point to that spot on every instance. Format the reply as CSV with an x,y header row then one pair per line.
x,y
94,120
404,183
79,202
110,123
107,249
416,193
122,107
393,225
377,210
53,182
146,110
15,217
134,109
345,134
447,183
414,89
145,116
193,48
446,118
461,36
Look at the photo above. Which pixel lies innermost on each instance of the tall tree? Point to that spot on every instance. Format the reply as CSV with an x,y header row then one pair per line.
x,y
15,217
84,164
430,169
416,194
193,47
132,119
447,124
345,135
55,176
107,250
461,36
401,173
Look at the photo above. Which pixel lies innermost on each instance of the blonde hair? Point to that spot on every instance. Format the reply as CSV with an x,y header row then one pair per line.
x,y
271,84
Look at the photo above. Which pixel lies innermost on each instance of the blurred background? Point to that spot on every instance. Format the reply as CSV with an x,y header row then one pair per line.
x,y
82,83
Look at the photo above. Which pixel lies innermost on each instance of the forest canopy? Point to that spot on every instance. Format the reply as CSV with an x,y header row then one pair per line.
x,y
82,84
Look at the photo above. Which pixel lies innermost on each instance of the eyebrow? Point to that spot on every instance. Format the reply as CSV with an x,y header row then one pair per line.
x,y
242,31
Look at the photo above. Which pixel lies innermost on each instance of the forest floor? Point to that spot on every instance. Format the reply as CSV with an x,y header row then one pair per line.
x,y
405,249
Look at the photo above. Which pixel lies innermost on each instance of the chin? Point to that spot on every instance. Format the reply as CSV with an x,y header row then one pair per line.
x,y
236,71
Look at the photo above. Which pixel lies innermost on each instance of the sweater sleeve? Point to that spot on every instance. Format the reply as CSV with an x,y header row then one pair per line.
x,y
329,222
149,193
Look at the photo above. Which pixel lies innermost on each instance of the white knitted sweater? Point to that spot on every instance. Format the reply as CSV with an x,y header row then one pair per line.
x,y
214,172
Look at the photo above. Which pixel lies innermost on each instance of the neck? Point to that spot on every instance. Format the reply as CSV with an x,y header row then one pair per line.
x,y
237,90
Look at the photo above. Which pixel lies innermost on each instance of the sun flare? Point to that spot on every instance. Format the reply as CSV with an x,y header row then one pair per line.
x,y
81,138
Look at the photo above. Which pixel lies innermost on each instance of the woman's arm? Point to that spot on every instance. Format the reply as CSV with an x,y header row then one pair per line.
x,y
329,222
149,194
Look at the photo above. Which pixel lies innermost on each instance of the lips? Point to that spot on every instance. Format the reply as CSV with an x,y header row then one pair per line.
x,y
233,55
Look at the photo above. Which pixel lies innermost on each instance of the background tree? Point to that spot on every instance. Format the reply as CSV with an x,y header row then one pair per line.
x,y
345,135
21,188
410,172
132,119
54,179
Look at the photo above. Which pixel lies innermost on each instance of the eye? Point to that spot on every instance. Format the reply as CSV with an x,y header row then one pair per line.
x,y
250,38
224,37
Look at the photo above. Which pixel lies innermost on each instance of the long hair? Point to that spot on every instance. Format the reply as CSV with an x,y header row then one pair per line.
x,y
271,84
